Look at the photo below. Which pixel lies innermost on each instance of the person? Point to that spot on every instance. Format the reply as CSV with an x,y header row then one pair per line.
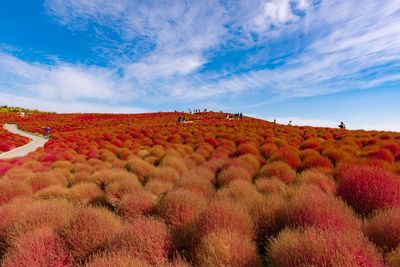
x,y
240,115
342,125
47,132
274,121
227,116
290,123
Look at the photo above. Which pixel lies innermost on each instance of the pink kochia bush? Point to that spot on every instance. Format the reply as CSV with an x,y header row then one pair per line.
x,y
384,229
41,247
368,188
313,247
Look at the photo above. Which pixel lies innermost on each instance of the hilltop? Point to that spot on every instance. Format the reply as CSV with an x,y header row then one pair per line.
x,y
8,109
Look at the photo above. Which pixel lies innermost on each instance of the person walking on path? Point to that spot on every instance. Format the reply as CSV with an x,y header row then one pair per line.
x,y
47,132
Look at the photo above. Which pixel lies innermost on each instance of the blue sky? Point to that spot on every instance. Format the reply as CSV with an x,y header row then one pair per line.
x,y
315,62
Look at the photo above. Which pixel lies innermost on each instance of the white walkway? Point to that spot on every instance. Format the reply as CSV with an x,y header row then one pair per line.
x,y
36,142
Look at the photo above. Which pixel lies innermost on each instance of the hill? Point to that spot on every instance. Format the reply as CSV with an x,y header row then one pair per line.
x,y
144,189
7,109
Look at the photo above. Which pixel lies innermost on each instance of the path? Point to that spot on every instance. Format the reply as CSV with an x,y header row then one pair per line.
x,y
36,142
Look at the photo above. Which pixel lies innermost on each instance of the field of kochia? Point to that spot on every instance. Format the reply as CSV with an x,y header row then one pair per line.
x,y
144,190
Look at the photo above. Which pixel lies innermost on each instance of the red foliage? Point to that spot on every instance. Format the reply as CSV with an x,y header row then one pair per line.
x,y
211,141
117,258
384,229
317,162
226,248
89,229
223,214
233,173
279,169
382,154
41,247
116,190
267,185
13,189
319,178
136,204
105,159
393,258
288,155
312,247
311,207
180,207
146,239
368,188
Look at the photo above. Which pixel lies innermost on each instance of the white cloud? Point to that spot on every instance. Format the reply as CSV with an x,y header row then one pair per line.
x,y
347,48
274,12
65,106
163,66
59,81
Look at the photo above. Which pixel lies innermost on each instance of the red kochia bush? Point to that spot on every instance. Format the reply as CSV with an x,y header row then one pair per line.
x,y
83,193
146,239
267,185
384,229
180,207
12,189
393,258
226,248
316,162
319,178
140,167
223,214
289,155
279,169
312,207
135,204
41,247
53,214
368,188
312,247
88,230
382,154
233,173
197,184
116,190
117,259
247,148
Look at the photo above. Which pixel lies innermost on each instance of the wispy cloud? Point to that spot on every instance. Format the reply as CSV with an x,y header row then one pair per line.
x,y
59,80
167,50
